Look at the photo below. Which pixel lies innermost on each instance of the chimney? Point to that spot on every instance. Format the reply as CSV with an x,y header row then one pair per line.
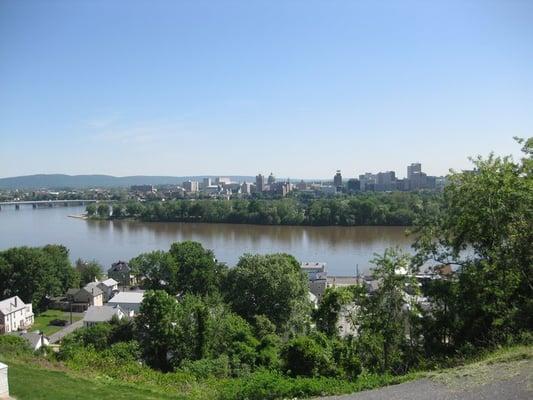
x,y
15,301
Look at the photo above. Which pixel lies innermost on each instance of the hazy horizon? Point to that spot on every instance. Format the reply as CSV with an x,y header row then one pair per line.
x,y
299,88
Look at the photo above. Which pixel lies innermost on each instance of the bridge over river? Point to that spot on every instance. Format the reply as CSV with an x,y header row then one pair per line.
x,y
47,203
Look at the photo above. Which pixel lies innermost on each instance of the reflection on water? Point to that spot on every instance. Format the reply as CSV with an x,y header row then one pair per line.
x,y
340,247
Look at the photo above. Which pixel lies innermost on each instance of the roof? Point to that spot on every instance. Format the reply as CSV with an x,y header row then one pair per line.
x,y
8,305
32,338
120,266
72,291
127,297
101,313
109,282
93,288
2,366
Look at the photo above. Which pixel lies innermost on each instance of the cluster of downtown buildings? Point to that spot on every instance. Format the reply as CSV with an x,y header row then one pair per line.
x,y
368,182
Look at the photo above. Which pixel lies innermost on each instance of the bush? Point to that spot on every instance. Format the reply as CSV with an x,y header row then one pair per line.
x,y
303,356
266,385
13,345
204,368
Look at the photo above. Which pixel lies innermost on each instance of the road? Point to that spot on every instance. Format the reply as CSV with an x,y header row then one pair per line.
x,y
56,337
502,381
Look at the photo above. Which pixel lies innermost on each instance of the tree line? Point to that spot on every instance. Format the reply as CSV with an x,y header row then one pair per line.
x,y
398,208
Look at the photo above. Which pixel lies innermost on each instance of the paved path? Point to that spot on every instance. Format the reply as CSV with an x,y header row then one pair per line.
x,y
56,337
506,381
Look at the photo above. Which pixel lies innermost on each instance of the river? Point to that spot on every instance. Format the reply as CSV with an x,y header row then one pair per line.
x,y
342,248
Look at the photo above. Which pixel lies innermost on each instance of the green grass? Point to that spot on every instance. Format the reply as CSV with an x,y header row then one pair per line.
x,y
28,382
42,322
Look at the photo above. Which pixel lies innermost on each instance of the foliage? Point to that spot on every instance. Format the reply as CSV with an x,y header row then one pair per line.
x,y
198,271
388,320
484,226
303,356
103,210
89,271
396,208
333,300
270,285
158,270
35,274
158,328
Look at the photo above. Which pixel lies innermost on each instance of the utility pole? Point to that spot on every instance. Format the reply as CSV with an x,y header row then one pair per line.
x,y
357,273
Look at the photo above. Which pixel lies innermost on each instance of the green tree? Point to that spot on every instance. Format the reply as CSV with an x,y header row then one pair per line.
x,y
103,210
89,271
198,271
158,271
269,285
158,329
334,299
35,274
91,209
118,211
388,321
484,226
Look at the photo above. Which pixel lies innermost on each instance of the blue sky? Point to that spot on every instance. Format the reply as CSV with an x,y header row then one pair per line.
x,y
300,88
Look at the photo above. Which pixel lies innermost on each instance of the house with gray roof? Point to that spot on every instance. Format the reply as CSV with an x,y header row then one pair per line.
x,y
109,287
96,315
15,315
36,339
129,302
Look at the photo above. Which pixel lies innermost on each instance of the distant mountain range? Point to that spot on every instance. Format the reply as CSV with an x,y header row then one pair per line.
x,y
60,181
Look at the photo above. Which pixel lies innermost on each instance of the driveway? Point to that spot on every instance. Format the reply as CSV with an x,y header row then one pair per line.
x,y
56,337
502,381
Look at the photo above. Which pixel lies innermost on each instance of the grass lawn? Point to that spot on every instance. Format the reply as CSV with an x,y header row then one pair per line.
x,y
58,385
42,322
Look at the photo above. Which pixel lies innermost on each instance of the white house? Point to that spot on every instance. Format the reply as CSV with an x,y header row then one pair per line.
x,y
96,314
15,315
129,302
4,386
109,287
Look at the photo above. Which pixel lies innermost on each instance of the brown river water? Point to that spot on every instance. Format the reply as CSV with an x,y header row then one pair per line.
x,y
342,248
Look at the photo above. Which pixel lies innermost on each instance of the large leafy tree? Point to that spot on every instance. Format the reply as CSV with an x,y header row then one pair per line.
x,y
158,329
198,270
484,226
35,274
270,285
158,270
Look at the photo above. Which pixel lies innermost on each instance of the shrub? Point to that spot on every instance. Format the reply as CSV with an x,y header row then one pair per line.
x,y
303,356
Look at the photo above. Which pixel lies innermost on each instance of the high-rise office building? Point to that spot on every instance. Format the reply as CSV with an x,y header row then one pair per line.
x,y
259,183
337,179
271,179
413,169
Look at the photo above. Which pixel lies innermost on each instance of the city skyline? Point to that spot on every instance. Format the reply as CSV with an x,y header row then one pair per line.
x,y
178,88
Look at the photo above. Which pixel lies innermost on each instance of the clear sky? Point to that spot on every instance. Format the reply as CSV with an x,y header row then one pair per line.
x,y
300,88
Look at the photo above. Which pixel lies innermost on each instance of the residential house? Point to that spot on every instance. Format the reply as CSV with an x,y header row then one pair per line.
x,y
96,315
15,315
90,294
36,340
129,302
109,287
121,272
